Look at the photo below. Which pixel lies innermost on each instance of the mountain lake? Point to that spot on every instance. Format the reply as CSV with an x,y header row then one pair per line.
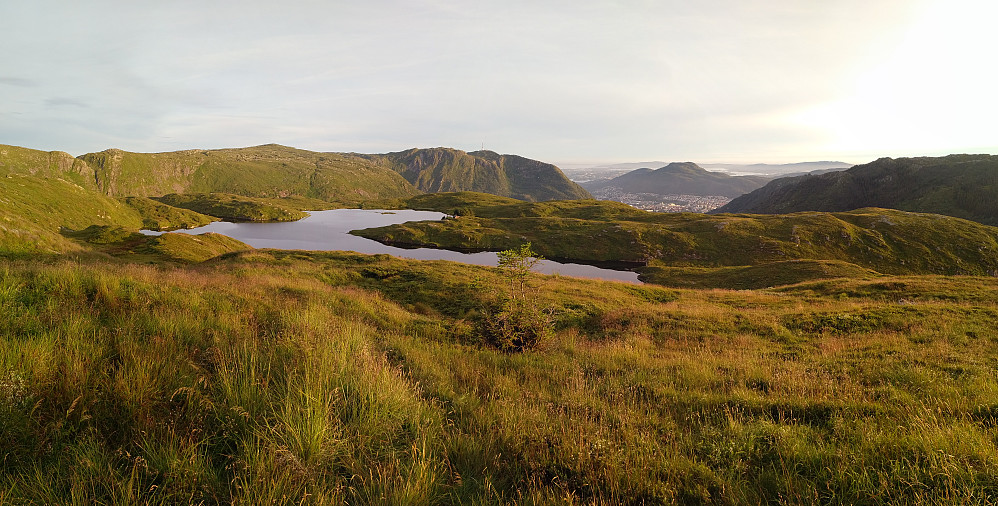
x,y
329,231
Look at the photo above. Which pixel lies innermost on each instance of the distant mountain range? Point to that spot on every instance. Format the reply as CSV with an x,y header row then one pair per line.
x,y
780,170
964,186
279,171
754,168
680,178
624,166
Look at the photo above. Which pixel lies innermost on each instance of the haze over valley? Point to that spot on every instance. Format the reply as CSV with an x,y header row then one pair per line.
x,y
686,186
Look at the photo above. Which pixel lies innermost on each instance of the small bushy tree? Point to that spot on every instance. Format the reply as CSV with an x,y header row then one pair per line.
x,y
513,320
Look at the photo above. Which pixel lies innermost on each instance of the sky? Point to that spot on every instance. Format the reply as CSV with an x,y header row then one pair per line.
x,y
571,82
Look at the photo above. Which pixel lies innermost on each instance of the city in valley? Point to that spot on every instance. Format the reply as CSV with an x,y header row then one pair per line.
x,y
671,203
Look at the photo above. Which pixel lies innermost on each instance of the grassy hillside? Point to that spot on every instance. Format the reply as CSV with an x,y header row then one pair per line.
x,y
273,171
190,248
964,186
185,369
262,171
159,216
882,240
327,378
748,277
45,197
491,206
684,178
52,164
238,208
33,211
451,170
131,246
456,203
45,214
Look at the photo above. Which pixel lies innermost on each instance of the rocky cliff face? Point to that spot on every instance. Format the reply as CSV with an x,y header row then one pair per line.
x,y
58,164
444,170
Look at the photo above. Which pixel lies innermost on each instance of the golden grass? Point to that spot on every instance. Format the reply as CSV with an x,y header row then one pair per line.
x,y
282,377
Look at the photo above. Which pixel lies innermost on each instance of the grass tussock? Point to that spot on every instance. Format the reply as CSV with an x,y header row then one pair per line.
x,y
320,378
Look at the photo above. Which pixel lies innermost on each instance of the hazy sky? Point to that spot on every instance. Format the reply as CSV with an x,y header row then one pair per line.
x,y
560,81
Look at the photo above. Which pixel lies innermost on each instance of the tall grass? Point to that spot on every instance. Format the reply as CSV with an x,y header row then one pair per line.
x,y
285,378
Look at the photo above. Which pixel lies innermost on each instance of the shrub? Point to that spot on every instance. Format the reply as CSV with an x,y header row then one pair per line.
x,y
512,320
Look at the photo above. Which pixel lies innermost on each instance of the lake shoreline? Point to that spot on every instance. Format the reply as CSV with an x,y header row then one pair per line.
x,y
331,230
615,265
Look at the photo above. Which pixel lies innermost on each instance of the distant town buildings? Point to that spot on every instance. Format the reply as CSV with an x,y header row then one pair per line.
x,y
663,203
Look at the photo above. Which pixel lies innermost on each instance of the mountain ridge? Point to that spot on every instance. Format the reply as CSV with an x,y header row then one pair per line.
x,y
681,178
962,185
269,170
440,169
782,169
274,171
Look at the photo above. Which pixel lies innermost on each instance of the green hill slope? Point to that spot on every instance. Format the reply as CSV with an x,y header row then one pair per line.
x,y
681,178
273,171
46,196
262,171
235,207
34,209
886,241
40,215
964,186
159,216
449,170
32,162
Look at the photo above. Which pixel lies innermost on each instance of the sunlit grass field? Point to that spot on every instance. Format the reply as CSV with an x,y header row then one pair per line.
x,y
271,377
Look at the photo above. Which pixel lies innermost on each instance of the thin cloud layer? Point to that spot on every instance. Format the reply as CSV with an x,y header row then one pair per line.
x,y
720,80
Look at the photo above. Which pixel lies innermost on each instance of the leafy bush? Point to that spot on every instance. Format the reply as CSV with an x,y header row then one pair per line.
x,y
512,320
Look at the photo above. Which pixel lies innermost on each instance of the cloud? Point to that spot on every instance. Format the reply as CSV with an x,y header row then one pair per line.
x,y
63,101
19,82
551,80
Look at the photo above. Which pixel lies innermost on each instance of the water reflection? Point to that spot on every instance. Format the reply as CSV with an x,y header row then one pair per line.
x,y
328,231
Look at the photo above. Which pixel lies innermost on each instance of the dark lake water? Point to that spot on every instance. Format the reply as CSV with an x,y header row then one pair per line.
x,y
328,231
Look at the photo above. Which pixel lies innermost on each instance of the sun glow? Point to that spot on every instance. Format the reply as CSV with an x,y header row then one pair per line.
x,y
935,92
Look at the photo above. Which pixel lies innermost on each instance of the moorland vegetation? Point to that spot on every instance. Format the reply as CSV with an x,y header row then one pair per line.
x,y
288,377
185,369
713,251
